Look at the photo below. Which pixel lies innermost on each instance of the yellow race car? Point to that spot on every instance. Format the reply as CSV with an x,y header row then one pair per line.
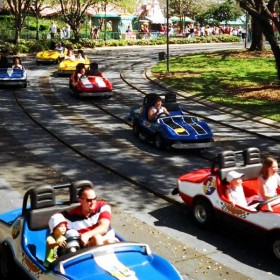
x,y
49,56
68,65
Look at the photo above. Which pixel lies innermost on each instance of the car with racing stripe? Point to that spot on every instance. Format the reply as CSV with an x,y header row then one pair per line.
x,y
177,130
92,82
23,235
204,193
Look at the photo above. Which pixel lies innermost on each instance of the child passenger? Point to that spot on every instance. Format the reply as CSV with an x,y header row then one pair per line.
x,y
235,193
56,239
70,55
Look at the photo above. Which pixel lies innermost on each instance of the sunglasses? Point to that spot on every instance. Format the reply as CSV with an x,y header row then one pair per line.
x,y
88,199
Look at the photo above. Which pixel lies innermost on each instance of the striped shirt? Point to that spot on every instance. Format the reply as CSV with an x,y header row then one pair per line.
x,y
77,221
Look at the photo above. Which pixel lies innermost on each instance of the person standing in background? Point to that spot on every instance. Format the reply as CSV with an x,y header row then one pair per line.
x,y
53,30
67,31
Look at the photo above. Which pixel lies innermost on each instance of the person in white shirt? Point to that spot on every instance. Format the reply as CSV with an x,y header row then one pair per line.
x,y
269,181
17,63
156,110
53,30
235,193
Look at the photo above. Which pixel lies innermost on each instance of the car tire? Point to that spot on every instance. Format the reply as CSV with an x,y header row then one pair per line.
x,y
275,244
203,213
159,142
136,128
8,268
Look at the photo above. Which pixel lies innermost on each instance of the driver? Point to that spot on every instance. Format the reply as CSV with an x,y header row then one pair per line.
x,y
17,63
156,110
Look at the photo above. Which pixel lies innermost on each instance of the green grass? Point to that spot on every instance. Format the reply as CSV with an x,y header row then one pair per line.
x,y
221,76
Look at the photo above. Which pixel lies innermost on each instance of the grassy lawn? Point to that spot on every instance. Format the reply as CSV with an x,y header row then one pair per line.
x,y
243,80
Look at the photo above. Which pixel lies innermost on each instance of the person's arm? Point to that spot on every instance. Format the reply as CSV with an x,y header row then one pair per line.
x,y
52,243
152,114
262,188
165,111
102,228
229,197
278,182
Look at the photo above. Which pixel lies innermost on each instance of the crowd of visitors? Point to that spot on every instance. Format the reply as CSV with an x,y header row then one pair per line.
x,y
147,32
190,30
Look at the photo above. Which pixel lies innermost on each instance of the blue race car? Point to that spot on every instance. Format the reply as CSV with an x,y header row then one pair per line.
x,y
23,234
12,75
177,130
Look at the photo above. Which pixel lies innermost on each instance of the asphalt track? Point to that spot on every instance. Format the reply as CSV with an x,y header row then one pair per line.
x,y
23,165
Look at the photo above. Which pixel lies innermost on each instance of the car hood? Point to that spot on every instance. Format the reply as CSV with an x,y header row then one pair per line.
x,y
185,126
7,73
48,54
94,82
117,261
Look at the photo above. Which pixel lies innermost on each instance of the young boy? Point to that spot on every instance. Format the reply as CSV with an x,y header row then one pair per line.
x,y
235,193
56,239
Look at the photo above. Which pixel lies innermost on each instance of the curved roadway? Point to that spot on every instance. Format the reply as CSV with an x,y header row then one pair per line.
x,y
30,157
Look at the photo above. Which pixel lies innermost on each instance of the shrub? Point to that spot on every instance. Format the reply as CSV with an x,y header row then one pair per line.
x,y
26,46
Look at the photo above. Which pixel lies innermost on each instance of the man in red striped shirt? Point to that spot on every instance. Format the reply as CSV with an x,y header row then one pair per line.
x,y
92,219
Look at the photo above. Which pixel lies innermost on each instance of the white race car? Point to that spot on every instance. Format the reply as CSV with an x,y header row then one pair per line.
x,y
204,193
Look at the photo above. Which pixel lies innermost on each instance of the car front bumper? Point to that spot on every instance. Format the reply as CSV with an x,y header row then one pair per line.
x,y
180,145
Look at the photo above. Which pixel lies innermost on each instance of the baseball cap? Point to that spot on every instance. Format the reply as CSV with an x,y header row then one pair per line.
x,y
55,220
233,175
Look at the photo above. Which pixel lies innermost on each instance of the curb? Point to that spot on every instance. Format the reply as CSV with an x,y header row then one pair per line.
x,y
150,76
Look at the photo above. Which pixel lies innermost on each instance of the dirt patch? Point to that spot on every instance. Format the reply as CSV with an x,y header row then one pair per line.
x,y
244,54
261,92
255,54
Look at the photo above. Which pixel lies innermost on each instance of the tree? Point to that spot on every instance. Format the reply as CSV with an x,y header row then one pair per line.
x,y
74,12
36,7
226,11
190,8
264,15
18,8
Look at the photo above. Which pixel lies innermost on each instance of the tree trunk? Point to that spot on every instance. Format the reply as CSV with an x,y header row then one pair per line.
x,y
76,34
17,30
270,37
257,37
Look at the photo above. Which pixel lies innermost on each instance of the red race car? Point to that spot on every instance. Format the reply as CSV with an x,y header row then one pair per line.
x,y
87,80
203,191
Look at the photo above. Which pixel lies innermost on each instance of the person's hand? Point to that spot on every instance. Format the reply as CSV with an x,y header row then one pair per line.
x,y
62,243
85,237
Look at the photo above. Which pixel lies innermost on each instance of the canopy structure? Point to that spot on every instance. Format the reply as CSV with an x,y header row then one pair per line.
x,y
103,15
241,21
151,13
155,14
177,19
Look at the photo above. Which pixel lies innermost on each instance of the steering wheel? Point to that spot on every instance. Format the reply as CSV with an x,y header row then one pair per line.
x,y
161,115
262,203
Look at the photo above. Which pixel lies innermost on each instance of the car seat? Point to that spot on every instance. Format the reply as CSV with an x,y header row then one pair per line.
x,y
93,69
